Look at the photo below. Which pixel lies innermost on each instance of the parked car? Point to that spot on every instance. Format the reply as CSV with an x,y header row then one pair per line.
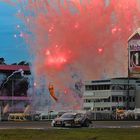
x,y
19,117
72,119
48,115
35,116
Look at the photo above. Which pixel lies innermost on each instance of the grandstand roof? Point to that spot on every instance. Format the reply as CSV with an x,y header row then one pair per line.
x,y
10,68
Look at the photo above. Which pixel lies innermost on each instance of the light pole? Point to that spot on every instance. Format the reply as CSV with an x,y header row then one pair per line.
x,y
94,108
12,95
0,110
128,74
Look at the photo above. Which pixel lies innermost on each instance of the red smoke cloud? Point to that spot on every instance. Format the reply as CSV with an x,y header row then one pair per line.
x,y
85,38
74,33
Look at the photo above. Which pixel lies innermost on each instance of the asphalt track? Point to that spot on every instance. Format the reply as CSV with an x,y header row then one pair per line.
x,y
47,125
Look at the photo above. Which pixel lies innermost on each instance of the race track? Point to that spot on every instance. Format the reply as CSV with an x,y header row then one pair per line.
x,y
47,124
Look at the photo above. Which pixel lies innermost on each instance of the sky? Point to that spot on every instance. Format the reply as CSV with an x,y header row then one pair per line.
x,y
12,47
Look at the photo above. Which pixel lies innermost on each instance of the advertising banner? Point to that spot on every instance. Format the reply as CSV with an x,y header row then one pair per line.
x,y
134,58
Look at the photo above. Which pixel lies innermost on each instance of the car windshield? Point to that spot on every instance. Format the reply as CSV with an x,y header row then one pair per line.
x,y
67,116
79,115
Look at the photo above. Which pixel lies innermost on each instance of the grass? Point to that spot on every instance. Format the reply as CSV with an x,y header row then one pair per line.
x,y
71,134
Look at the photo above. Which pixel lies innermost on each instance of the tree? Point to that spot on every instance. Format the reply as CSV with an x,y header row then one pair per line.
x,y
2,60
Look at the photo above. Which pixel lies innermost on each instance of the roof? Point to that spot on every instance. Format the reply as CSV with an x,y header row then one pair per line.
x,y
20,98
135,35
108,81
125,78
14,67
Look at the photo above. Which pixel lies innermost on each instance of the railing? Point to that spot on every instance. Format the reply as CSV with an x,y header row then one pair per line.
x,y
15,98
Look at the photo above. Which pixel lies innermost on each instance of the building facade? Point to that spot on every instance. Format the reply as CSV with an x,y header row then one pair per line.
x,y
108,95
13,88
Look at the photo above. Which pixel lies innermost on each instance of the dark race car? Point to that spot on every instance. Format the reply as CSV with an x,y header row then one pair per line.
x,y
72,119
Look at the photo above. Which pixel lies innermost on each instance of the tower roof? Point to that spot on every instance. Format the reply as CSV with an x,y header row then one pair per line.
x,y
135,35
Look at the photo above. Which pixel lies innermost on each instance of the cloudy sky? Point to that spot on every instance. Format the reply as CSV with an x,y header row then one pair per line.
x,y
12,47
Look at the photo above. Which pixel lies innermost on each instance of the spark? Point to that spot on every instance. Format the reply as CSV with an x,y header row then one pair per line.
x,y
100,50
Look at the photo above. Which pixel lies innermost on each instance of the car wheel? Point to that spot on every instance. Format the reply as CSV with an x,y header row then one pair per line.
x,y
36,118
63,125
72,125
86,123
53,125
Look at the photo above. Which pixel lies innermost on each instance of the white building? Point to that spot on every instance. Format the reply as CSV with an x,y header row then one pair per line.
x,y
108,95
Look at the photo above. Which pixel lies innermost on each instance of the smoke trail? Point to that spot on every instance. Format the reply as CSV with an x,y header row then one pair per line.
x,y
8,78
75,40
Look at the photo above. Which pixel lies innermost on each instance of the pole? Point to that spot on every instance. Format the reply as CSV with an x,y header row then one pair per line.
x,y
128,72
128,95
1,111
94,110
12,95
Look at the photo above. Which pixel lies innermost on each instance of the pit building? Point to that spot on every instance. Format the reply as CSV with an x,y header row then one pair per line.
x,y
122,92
13,88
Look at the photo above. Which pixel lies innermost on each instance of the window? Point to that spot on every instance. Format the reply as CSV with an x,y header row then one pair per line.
x,y
98,109
124,98
115,99
97,87
130,99
106,108
87,87
120,99
88,100
87,108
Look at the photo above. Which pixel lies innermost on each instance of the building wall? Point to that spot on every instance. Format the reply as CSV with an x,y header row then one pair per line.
x,y
13,88
138,96
100,98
